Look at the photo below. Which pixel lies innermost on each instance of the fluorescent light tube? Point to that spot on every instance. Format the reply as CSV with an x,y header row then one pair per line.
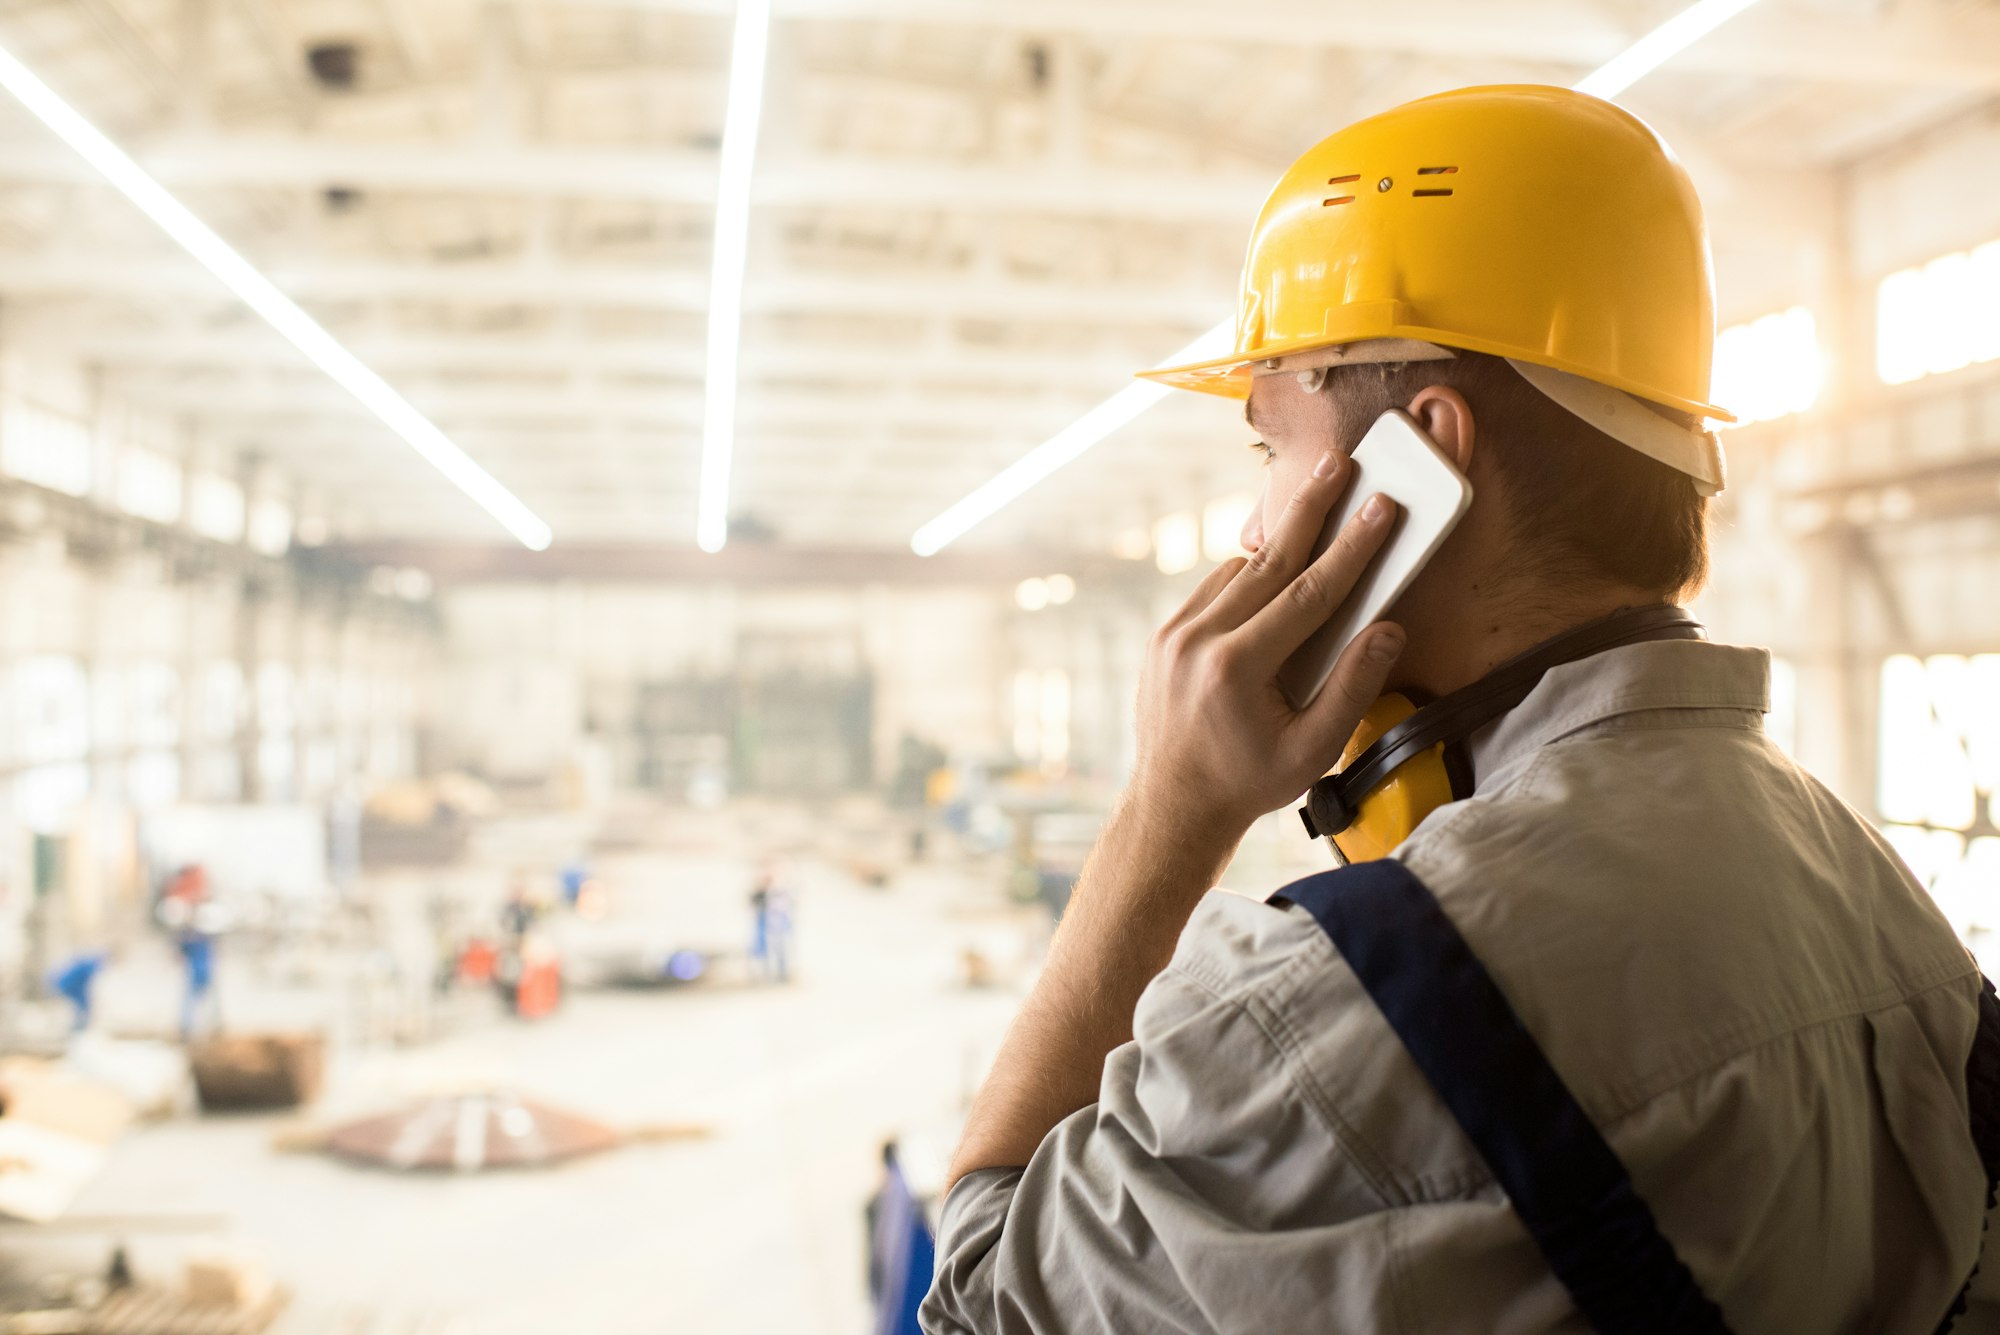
x,y
1608,80
1659,46
263,297
1062,448
747,51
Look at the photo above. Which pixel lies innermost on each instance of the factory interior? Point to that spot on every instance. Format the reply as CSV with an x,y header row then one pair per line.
x,y
573,575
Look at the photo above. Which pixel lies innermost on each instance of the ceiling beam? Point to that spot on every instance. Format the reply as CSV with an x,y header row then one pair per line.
x,y
516,169
278,402
268,27
744,562
119,347
1905,45
625,286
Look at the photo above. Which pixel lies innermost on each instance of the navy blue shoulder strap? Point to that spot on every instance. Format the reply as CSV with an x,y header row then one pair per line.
x,y
1569,1189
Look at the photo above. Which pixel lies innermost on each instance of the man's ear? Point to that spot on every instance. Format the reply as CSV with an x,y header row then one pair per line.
x,y
1446,418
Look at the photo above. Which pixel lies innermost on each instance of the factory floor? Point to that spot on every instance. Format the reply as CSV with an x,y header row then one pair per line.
x,y
755,1227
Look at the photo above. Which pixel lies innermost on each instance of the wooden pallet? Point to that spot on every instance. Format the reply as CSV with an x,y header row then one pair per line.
x,y
144,1310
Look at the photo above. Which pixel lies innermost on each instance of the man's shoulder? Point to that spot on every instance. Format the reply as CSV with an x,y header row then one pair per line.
x,y
1236,944
1652,902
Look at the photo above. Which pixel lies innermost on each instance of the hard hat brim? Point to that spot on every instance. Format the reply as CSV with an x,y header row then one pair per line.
x,y
1229,377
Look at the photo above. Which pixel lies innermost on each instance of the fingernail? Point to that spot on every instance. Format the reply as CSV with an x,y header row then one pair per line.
x,y
1377,508
1385,647
1325,466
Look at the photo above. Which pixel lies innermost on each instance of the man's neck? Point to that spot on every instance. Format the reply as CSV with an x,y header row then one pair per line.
x,y
1453,648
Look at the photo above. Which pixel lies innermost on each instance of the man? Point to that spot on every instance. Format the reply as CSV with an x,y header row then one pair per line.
x,y
188,910
1639,1028
771,926
75,981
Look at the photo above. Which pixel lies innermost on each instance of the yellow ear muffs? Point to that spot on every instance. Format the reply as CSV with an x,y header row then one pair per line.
x,y
1403,763
1388,812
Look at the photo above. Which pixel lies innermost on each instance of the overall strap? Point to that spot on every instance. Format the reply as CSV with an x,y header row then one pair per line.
x,y
1569,1189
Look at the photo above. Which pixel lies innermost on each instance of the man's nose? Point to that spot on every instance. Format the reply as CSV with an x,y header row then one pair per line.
x,y
1252,536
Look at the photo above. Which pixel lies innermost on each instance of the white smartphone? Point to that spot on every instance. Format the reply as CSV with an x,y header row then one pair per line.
x,y
1399,461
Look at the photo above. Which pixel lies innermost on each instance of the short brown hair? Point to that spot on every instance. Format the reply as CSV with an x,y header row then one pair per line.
x,y
1600,509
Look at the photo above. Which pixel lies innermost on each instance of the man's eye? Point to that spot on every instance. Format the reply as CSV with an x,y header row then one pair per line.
x,y
1263,449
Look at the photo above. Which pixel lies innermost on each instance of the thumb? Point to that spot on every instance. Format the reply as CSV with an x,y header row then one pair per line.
x,y
1356,684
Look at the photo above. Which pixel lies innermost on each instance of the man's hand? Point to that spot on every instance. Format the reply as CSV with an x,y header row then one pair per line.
x,y
1218,744
1218,748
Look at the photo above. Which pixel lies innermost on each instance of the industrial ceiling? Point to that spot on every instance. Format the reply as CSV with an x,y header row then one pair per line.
x,y
969,223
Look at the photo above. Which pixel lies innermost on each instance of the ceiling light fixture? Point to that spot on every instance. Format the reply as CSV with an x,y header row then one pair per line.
x,y
262,296
1608,80
1065,447
747,51
1659,46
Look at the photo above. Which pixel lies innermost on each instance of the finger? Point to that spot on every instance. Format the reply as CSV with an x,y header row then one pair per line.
x,y
1287,547
1309,602
1212,584
1356,683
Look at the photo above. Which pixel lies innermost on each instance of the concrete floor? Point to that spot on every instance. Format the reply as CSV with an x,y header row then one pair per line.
x,y
755,1229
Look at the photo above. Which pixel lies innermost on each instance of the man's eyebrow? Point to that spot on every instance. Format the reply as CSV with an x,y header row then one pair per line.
x,y
1249,413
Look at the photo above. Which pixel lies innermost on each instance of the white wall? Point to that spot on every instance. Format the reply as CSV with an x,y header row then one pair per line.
x,y
526,659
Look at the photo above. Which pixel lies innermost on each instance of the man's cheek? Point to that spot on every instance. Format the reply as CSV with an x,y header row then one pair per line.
x,y
1279,495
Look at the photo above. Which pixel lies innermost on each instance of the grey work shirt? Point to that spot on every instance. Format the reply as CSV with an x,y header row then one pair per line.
x,y
1749,995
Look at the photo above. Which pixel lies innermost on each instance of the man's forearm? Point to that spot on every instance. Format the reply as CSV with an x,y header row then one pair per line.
x,y
1138,888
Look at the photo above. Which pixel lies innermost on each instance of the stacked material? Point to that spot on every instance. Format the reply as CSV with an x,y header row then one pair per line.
x,y
468,1132
244,1071
55,1131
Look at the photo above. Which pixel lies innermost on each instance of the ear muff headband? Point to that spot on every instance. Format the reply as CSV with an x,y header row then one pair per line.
x,y
1336,800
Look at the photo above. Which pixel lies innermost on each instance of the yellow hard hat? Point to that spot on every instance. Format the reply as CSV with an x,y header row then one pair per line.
x,y
1534,223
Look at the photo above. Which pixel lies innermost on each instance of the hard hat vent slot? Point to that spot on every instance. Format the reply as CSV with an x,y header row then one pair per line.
x,y
1342,199
1420,194
1437,171
1341,180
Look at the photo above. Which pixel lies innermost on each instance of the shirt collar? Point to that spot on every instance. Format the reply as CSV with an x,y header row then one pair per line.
x,y
1636,678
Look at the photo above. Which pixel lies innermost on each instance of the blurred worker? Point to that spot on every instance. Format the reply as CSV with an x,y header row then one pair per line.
x,y
519,914
871,1219
901,1251
771,926
583,892
75,981
1617,1019
574,876
530,976
188,910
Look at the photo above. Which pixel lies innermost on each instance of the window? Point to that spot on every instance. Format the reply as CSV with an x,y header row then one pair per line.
x,y
51,709
1041,717
1938,775
149,485
215,508
1940,316
1222,524
1177,543
222,701
153,779
1054,719
1768,368
1782,723
46,447
156,703
270,526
